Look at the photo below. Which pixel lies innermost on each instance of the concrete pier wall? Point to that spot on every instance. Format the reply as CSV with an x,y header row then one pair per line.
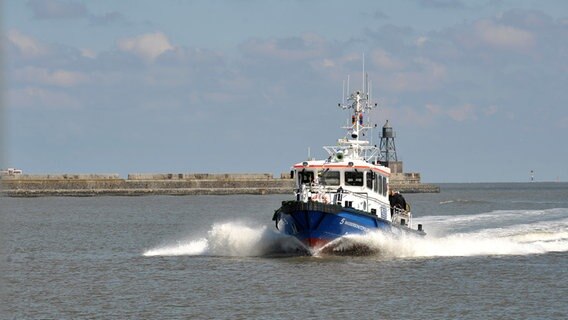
x,y
201,176
142,184
410,183
169,184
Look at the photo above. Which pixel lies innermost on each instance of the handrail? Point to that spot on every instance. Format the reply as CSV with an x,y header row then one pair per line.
x,y
326,194
331,193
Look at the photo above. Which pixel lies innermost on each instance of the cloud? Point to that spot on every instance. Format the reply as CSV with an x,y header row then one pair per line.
x,y
503,36
62,10
432,113
462,113
491,110
421,75
379,15
308,46
528,19
27,46
442,4
385,60
57,9
390,36
147,46
108,19
35,97
403,69
420,41
434,109
61,78
88,53
512,36
470,112
445,80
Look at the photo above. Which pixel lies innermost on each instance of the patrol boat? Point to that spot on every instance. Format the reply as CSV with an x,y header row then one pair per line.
x,y
345,194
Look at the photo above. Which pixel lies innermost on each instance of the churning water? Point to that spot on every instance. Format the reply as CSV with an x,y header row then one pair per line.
x,y
492,251
513,232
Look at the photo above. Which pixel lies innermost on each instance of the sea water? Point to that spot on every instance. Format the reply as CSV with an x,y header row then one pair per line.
x,y
492,251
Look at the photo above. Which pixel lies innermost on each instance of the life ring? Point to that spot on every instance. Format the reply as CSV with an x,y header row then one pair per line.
x,y
321,197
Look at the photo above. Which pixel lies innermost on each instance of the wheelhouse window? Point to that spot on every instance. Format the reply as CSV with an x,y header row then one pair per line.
x,y
377,182
384,184
370,179
305,176
330,178
354,178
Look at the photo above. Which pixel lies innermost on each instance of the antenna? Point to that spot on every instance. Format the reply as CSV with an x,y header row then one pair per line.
x,y
364,91
370,91
343,93
348,84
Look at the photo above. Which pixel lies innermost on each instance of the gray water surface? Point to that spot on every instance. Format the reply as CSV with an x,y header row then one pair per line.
x,y
492,251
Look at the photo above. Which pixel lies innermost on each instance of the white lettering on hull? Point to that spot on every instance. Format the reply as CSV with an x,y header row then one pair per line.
x,y
353,225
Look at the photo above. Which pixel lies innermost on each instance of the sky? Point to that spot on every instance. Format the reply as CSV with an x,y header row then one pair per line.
x,y
476,91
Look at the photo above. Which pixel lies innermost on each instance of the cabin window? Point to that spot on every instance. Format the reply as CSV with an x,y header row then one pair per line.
x,y
370,179
305,177
377,182
354,178
384,184
330,178
380,184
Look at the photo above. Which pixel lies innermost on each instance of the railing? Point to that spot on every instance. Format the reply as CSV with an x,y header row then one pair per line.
x,y
328,195
331,195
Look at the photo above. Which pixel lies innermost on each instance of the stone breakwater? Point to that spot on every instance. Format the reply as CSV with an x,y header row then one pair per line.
x,y
162,184
410,183
143,184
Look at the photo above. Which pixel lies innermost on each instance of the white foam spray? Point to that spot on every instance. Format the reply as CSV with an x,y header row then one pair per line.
x,y
491,235
494,233
189,248
231,239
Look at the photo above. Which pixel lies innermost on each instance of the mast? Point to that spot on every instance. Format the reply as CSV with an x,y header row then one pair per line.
x,y
353,146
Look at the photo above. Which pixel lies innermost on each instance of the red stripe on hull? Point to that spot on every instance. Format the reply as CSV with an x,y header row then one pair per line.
x,y
315,242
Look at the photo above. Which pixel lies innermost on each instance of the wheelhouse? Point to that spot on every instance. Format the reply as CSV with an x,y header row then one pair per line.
x,y
371,178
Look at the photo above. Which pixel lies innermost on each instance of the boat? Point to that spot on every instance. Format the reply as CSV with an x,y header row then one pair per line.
x,y
345,194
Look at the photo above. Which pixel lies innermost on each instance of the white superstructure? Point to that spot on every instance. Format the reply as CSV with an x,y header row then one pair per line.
x,y
351,176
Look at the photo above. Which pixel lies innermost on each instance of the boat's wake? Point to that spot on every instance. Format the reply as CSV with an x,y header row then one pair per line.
x,y
510,233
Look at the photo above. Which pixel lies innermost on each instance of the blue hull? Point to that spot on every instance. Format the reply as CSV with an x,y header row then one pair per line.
x,y
316,224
